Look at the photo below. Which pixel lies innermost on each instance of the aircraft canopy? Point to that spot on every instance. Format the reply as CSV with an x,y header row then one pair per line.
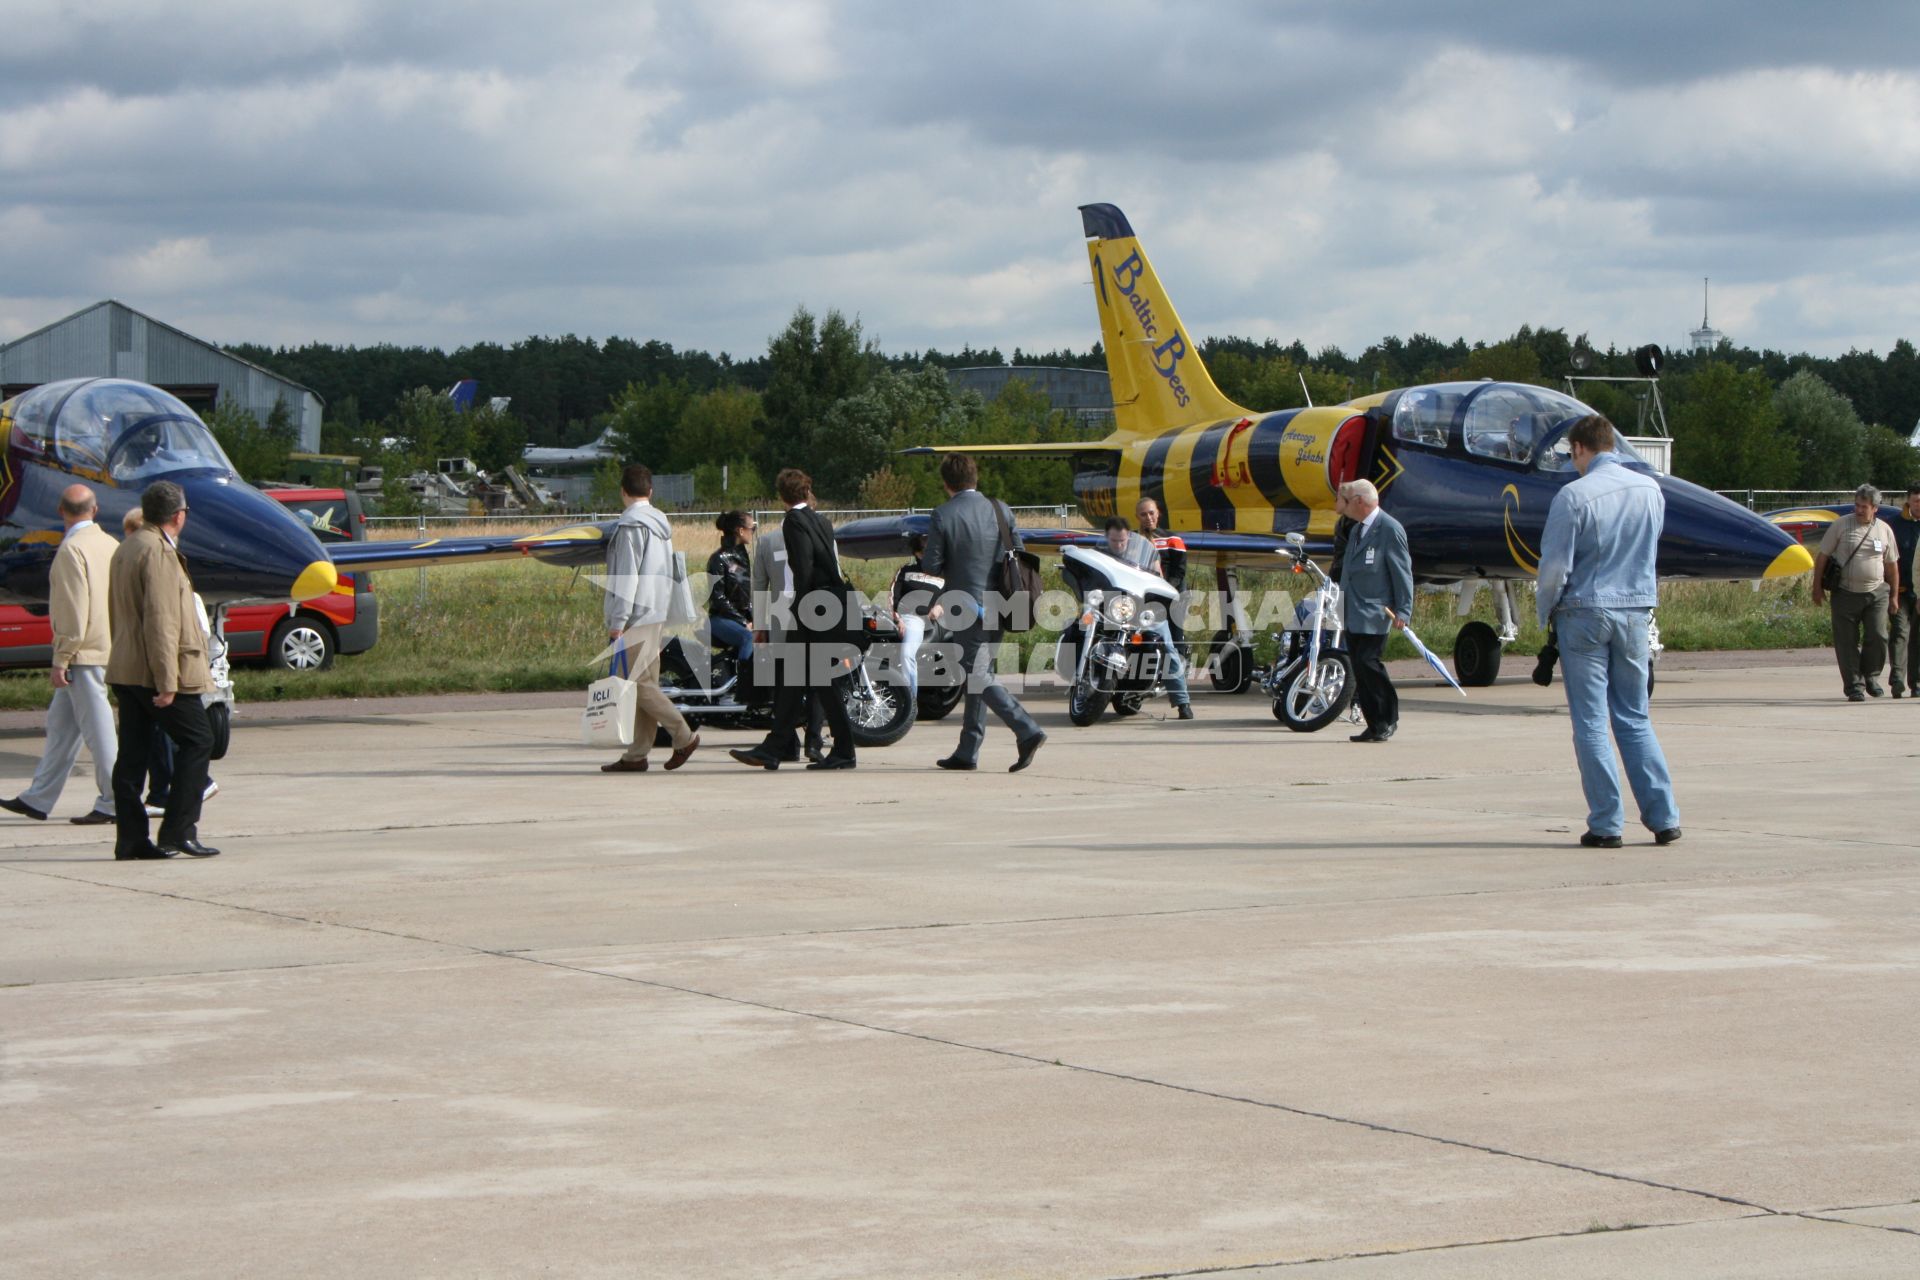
x,y
129,430
1505,420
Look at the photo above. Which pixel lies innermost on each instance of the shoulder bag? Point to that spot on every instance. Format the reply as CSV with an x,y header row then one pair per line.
x,y
1016,576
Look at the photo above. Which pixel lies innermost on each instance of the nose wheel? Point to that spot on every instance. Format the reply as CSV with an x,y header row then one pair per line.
x,y
1476,654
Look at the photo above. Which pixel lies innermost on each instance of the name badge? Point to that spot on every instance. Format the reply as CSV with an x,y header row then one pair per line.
x,y
1370,551
1876,548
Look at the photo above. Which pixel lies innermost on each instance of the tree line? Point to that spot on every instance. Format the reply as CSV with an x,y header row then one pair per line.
x,y
824,397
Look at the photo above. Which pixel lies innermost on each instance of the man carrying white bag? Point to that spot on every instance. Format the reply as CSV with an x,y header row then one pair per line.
x,y
640,596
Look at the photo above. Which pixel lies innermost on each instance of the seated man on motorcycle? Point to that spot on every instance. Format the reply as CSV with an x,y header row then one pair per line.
x,y
730,591
1130,548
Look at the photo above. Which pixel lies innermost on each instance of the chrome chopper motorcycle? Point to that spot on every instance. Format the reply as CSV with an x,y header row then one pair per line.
x,y
1311,681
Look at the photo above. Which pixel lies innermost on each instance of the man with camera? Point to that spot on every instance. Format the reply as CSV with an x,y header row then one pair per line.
x,y
1859,566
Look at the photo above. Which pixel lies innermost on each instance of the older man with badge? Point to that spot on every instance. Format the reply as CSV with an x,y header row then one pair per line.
x,y
1376,582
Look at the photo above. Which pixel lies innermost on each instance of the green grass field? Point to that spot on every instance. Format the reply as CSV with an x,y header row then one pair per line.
x,y
519,626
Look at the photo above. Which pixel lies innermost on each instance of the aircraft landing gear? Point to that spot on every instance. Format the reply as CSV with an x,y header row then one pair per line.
x,y
1476,655
1231,662
1477,649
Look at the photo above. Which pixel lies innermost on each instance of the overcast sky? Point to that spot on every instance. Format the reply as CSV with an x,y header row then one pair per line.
x,y
441,173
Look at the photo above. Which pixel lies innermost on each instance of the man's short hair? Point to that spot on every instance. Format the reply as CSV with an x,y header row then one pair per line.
x,y
637,479
1867,492
1913,491
959,471
1592,433
793,485
79,508
1120,523
1361,489
162,501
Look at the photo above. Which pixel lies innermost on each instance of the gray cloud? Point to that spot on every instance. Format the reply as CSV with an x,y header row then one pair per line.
x,y
441,173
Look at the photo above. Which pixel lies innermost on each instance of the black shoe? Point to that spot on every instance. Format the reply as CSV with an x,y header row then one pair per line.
x,y
1386,731
1853,695
1588,840
24,810
1899,693
1365,735
151,851
192,848
1028,748
833,762
757,758
1875,691
1185,713
1666,837
956,763
91,818
816,751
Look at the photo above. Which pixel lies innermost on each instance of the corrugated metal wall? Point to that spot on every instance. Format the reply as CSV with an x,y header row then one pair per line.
x,y
110,340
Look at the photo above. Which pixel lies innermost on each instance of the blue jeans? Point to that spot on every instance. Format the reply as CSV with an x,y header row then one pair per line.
x,y
1174,674
736,637
1603,657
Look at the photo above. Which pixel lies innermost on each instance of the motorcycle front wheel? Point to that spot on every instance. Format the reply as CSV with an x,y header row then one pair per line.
x,y
1085,702
1316,697
880,713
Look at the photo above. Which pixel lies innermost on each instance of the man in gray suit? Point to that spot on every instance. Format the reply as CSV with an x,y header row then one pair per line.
x,y
1376,579
964,547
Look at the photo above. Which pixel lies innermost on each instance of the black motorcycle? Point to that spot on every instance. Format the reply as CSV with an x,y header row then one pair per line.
x,y
707,685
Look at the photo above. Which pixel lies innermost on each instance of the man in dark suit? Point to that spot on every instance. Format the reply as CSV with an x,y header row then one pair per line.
x,y
819,657
964,546
1376,581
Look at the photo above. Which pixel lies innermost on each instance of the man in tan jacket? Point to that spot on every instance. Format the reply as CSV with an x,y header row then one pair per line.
x,y
158,670
79,711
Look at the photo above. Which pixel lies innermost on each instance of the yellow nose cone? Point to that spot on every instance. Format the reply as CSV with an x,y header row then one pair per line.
x,y
1795,559
320,577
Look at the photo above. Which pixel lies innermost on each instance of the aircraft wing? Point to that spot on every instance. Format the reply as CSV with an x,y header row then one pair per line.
x,y
578,544
882,537
1058,449
1809,524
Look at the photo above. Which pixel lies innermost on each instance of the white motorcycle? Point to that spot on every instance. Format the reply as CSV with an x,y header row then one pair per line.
x,y
1311,681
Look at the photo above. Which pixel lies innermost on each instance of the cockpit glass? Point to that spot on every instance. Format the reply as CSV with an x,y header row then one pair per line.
x,y
1558,455
1510,421
133,432
1425,414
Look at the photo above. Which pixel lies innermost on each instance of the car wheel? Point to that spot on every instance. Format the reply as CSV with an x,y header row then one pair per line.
x,y
301,644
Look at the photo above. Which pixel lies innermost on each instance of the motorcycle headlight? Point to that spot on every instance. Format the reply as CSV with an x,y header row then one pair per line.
x,y
1122,609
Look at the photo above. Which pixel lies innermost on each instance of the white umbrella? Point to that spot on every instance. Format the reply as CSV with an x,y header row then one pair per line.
x,y
1433,659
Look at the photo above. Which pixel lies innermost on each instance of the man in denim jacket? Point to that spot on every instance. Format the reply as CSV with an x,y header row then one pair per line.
x,y
1597,587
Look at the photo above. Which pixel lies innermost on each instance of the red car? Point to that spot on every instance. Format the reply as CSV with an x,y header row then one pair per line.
x,y
298,638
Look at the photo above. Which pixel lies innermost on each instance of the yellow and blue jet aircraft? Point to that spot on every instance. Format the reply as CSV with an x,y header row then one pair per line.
x,y
1469,468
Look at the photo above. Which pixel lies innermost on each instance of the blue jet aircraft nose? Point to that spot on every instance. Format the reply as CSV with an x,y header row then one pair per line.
x,y
1708,536
242,545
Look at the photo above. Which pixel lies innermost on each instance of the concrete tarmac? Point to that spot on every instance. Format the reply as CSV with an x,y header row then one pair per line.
x,y
1182,999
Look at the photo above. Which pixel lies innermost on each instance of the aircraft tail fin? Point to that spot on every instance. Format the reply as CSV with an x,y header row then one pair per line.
x,y
1159,380
462,393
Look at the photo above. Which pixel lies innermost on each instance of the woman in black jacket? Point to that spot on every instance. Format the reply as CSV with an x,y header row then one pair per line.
x,y
730,589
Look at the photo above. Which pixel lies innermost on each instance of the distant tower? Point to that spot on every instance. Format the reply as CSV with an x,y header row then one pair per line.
x,y
1706,337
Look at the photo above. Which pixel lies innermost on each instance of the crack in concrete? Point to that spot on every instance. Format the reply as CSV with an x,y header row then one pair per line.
x,y
1414,1250
1760,1210
1011,1054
